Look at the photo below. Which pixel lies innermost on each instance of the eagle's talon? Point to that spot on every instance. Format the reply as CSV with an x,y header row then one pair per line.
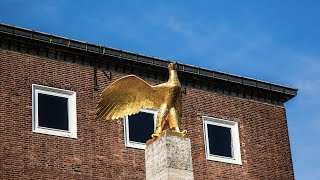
x,y
155,135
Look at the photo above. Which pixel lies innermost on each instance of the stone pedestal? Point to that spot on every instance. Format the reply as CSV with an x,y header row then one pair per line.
x,y
169,157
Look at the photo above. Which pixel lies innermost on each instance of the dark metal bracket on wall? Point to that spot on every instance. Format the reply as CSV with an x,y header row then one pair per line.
x,y
184,90
95,77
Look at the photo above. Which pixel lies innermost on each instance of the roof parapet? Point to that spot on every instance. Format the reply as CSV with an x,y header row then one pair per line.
x,y
103,50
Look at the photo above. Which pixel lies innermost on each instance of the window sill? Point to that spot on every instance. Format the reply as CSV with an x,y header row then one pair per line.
x,y
54,132
224,159
136,145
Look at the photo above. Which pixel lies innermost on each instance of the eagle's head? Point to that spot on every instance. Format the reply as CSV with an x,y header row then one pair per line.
x,y
172,66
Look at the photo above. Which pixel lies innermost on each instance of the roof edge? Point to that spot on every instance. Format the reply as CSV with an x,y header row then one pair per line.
x,y
131,56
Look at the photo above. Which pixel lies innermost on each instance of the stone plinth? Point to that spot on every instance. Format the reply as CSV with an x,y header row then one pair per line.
x,y
169,157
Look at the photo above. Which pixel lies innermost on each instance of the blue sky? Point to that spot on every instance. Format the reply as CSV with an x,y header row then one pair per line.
x,y
276,41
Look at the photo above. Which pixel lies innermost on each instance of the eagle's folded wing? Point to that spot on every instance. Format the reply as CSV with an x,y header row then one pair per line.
x,y
125,97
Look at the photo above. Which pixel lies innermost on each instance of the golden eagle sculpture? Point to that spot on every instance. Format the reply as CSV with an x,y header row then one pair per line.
x,y
129,94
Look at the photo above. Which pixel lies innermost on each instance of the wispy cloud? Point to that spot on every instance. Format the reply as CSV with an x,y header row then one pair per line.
x,y
309,86
306,72
216,41
13,1
49,9
181,28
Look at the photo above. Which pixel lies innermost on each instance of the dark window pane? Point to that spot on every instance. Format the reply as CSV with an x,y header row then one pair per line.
x,y
53,111
141,127
219,140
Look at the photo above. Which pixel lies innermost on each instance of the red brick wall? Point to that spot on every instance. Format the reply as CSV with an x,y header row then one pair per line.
x,y
99,150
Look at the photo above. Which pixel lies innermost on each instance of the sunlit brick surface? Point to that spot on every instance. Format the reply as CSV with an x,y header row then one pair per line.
x,y
99,151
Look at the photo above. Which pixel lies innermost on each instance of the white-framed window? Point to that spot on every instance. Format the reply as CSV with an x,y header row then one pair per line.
x,y
138,128
54,111
222,140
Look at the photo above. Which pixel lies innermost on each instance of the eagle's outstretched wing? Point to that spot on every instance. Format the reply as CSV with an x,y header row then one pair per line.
x,y
127,96
178,105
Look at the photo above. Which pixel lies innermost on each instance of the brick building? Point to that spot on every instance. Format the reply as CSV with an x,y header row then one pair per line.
x,y
237,125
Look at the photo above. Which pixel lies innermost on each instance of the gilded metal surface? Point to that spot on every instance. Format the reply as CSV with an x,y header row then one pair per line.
x,y
129,94
169,133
